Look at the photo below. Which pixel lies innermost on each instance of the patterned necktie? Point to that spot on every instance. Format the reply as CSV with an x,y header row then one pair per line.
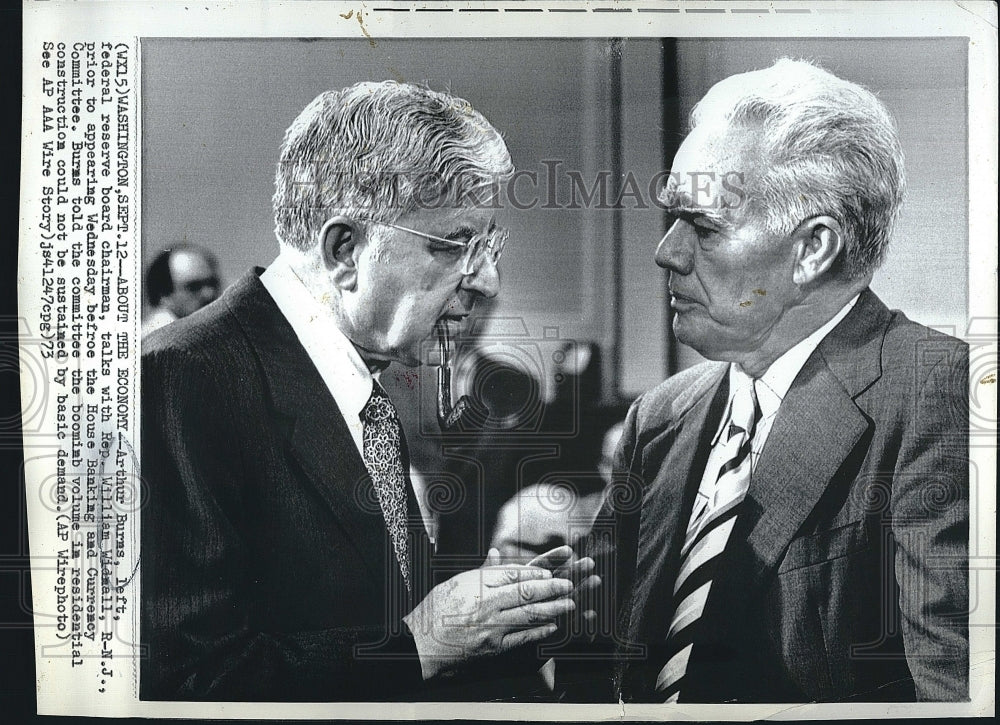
x,y
708,531
383,454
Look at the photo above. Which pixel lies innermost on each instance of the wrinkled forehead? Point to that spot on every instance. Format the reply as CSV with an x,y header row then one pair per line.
x,y
470,188
472,217
718,147
713,159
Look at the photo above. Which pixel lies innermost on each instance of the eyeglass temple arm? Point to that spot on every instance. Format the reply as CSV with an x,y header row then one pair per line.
x,y
432,237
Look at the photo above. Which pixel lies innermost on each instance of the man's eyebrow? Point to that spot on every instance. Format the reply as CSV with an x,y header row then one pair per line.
x,y
463,233
678,202
693,213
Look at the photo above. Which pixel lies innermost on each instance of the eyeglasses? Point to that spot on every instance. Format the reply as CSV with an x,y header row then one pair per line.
x,y
485,245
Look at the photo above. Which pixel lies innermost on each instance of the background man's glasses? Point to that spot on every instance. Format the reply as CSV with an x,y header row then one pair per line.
x,y
487,245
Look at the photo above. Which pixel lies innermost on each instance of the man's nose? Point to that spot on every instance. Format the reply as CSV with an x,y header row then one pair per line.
x,y
485,280
676,250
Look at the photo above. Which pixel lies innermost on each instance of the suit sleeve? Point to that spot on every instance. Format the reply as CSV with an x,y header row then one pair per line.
x,y
197,593
590,671
930,515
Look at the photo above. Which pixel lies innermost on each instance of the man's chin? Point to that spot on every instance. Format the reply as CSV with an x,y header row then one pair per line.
x,y
686,330
422,354
695,334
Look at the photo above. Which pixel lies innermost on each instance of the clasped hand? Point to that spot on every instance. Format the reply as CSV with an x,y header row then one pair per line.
x,y
490,610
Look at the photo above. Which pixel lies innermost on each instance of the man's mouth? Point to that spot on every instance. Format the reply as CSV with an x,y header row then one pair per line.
x,y
678,300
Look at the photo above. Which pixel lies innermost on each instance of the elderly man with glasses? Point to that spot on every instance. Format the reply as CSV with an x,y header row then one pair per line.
x,y
283,552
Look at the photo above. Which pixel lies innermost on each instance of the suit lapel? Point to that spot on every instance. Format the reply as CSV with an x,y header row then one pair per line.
x,y
673,462
316,434
817,427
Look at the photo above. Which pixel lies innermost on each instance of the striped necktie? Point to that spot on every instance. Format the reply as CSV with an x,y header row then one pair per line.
x,y
383,454
711,523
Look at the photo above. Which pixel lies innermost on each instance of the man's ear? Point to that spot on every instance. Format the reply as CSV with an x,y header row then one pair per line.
x,y
819,240
339,245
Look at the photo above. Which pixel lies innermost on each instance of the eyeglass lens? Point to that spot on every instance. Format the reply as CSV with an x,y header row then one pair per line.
x,y
489,245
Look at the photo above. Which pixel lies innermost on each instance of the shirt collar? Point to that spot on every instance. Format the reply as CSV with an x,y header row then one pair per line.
x,y
738,380
335,357
773,385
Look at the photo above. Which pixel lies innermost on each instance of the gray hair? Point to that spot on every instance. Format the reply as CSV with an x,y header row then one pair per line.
x,y
378,150
830,147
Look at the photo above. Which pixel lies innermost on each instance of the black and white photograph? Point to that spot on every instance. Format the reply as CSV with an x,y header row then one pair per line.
x,y
644,370
268,573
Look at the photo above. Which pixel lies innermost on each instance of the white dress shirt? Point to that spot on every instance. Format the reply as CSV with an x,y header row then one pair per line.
x,y
346,375
771,388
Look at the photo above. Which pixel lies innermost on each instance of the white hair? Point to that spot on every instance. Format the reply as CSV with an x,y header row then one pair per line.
x,y
378,150
830,147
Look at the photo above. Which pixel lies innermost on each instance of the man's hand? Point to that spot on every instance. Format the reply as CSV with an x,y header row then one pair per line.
x,y
486,611
564,564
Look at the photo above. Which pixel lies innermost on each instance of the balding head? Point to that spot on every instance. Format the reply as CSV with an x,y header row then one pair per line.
x,y
182,279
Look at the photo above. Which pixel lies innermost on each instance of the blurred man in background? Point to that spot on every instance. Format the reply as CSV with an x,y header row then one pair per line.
x,y
179,281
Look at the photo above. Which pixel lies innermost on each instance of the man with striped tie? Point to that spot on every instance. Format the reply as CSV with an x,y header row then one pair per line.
x,y
790,518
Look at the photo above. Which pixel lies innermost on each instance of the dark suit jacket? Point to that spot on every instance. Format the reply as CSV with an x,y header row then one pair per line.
x,y
267,572
846,575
